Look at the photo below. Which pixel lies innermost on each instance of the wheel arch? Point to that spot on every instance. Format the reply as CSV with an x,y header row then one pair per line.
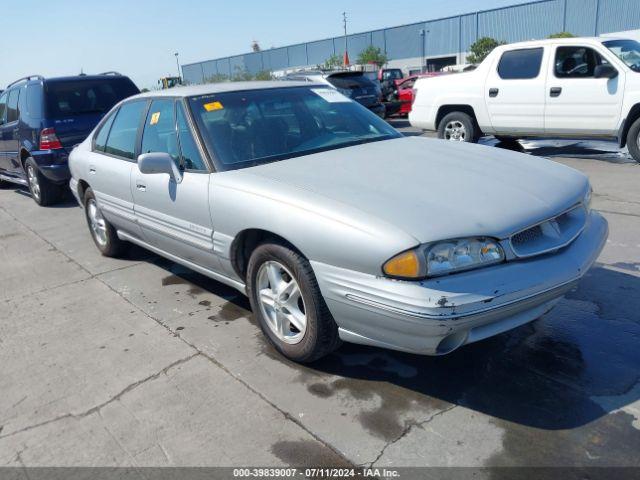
x,y
24,155
445,110
633,115
245,243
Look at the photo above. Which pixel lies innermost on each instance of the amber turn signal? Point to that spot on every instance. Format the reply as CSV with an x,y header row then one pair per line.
x,y
405,265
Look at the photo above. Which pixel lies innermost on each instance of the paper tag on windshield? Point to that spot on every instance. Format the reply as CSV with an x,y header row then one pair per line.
x,y
330,95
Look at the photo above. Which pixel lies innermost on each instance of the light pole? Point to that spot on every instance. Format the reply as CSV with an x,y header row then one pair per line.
x,y
423,34
346,60
178,65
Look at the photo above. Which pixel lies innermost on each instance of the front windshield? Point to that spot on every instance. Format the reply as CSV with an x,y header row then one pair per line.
x,y
626,50
252,127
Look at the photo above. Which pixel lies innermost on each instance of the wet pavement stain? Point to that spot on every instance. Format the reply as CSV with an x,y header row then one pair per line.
x,y
609,441
398,407
305,453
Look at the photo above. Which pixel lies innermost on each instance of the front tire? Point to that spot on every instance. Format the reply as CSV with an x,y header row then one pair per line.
x,y
102,232
458,127
286,301
43,191
633,140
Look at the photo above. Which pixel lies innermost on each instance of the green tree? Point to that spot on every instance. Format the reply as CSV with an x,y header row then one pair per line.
x,y
562,35
217,78
372,55
263,75
332,62
481,48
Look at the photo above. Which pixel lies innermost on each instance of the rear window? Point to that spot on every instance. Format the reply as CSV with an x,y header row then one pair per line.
x,y
78,97
350,81
520,64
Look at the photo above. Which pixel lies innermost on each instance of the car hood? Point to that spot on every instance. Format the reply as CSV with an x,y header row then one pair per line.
x,y
435,190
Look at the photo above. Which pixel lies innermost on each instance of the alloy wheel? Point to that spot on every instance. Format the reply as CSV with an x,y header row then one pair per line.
x,y
455,131
34,184
97,223
281,302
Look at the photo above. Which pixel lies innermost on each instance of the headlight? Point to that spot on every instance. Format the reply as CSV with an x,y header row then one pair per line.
x,y
442,258
587,199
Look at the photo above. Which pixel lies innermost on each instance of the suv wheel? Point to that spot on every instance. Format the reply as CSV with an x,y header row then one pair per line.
x,y
42,190
286,300
633,140
102,232
458,127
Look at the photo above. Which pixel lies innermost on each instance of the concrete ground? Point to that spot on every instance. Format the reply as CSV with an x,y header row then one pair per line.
x,y
141,362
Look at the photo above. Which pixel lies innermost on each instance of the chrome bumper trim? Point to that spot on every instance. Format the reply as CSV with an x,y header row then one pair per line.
x,y
557,289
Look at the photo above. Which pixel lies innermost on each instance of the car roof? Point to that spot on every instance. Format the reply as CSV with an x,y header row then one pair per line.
x,y
209,88
82,77
559,41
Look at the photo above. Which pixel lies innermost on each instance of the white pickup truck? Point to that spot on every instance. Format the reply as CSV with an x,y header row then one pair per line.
x,y
581,88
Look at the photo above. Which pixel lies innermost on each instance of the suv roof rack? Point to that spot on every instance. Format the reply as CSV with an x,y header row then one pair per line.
x,y
111,72
27,78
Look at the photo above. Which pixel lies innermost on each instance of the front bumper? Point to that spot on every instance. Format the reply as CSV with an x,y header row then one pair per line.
x,y
439,315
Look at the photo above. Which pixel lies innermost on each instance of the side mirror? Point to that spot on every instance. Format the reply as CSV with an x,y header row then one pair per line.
x,y
605,71
159,162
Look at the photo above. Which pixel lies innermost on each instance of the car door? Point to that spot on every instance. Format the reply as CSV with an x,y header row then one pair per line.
x,y
9,131
578,103
174,216
515,91
3,122
110,164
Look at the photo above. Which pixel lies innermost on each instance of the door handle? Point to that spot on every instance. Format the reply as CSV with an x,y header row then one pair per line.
x,y
493,92
92,169
141,186
555,91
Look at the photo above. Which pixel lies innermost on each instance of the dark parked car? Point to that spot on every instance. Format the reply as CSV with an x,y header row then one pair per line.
x,y
354,85
41,119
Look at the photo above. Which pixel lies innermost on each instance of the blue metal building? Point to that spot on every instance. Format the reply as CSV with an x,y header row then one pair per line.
x,y
443,41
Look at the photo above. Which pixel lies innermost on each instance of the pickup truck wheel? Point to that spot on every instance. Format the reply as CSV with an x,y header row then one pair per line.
x,y
458,127
286,301
42,190
633,140
102,232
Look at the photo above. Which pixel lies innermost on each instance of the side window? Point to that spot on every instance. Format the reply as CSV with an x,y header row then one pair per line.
x,y
124,131
577,62
33,101
3,108
12,106
160,129
191,158
100,142
520,64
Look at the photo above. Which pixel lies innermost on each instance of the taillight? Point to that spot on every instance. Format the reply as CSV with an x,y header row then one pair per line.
x,y
49,140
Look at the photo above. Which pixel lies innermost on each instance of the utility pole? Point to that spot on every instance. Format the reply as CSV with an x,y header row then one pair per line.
x,y
423,34
346,45
178,64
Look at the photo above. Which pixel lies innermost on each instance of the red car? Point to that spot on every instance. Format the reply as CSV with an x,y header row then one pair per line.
x,y
404,88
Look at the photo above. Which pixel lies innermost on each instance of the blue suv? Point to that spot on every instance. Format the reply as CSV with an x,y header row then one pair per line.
x,y
41,119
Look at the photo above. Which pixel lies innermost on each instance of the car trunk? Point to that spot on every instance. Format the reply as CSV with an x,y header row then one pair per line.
x,y
359,87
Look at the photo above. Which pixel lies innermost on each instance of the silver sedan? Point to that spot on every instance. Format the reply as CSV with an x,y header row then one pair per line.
x,y
335,225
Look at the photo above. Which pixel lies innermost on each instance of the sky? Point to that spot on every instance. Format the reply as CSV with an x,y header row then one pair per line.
x,y
140,37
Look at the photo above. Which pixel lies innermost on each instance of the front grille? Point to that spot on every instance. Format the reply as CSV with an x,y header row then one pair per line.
x,y
550,235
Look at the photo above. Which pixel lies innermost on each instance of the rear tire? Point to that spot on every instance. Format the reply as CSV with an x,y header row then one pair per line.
x,y
43,191
273,268
102,232
459,127
633,140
